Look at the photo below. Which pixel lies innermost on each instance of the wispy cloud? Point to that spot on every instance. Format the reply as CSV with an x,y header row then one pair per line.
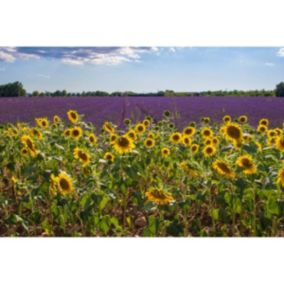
x,y
77,55
269,64
43,76
280,52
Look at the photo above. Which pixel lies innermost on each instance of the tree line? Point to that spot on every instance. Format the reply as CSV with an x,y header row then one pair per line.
x,y
16,89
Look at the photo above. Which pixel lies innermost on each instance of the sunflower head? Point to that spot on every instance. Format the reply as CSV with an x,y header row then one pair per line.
x,y
64,183
42,122
109,156
123,144
246,162
243,119
107,127
189,131
131,134
126,121
165,152
140,128
209,151
29,145
149,143
194,148
280,143
34,132
82,155
223,169
92,139
159,196
76,132
73,116
233,132
264,121
206,119
56,119
206,132
227,118
280,177
262,128
186,141
146,122
175,137
167,113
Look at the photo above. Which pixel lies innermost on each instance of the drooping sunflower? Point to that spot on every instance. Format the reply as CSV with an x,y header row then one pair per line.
x,y
159,196
280,143
233,132
82,155
149,143
243,119
189,131
280,177
227,118
278,131
246,162
262,128
131,134
92,139
107,127
223,169
165,152
209,151
123,144
76,132
109,156
53,187
194,148
264,121
175,137
113,138
206,132
140,128
73,116
34,132
65,183
29,144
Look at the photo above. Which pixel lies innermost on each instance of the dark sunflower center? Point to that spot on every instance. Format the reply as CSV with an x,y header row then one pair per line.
x,y
209,150
224,167
75,132
64,184
159,194
247,163
234,132
83,156
123,142
149,142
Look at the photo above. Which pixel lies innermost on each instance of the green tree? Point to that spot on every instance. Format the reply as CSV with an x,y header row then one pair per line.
x,y
280,90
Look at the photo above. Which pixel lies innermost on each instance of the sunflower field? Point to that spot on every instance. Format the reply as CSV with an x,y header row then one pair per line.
x,y
66,177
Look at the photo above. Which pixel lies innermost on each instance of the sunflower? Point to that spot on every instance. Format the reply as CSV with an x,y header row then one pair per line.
x,y
53,185
113,138
206,132
262,128
64,183
73,116
280,143
76,132
67,132
246,162
149,143
186,141
123,144
206,119
259,146
271,141
36,133
209,151
215,140
159,196
223,169
140,128
29,144
109,156
126,121
208,141
189,131
175,137
146,122
227,118
194,148
278,131
243,119
166,113
233,132
271,133
264,121
247,137
131,134
165,152
107,127
151,135
42,122
56,119
82,155
92,139
24,151
280,177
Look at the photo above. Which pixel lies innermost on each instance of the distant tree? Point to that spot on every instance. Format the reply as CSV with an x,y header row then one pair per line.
x,y
15,89
280,90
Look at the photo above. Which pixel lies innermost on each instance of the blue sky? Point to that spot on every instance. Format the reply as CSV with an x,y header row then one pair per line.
x,y
142,69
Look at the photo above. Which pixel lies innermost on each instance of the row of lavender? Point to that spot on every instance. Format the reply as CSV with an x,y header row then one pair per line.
x,y
115,109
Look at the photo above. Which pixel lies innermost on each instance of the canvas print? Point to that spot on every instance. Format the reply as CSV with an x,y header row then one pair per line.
x,y
142,141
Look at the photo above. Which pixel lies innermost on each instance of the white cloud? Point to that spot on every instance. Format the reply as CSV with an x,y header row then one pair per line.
x,y
6,56
11,54
281,52
43,76
269,64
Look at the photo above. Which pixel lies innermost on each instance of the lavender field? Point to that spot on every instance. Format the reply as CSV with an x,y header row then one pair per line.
x,y
115,109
